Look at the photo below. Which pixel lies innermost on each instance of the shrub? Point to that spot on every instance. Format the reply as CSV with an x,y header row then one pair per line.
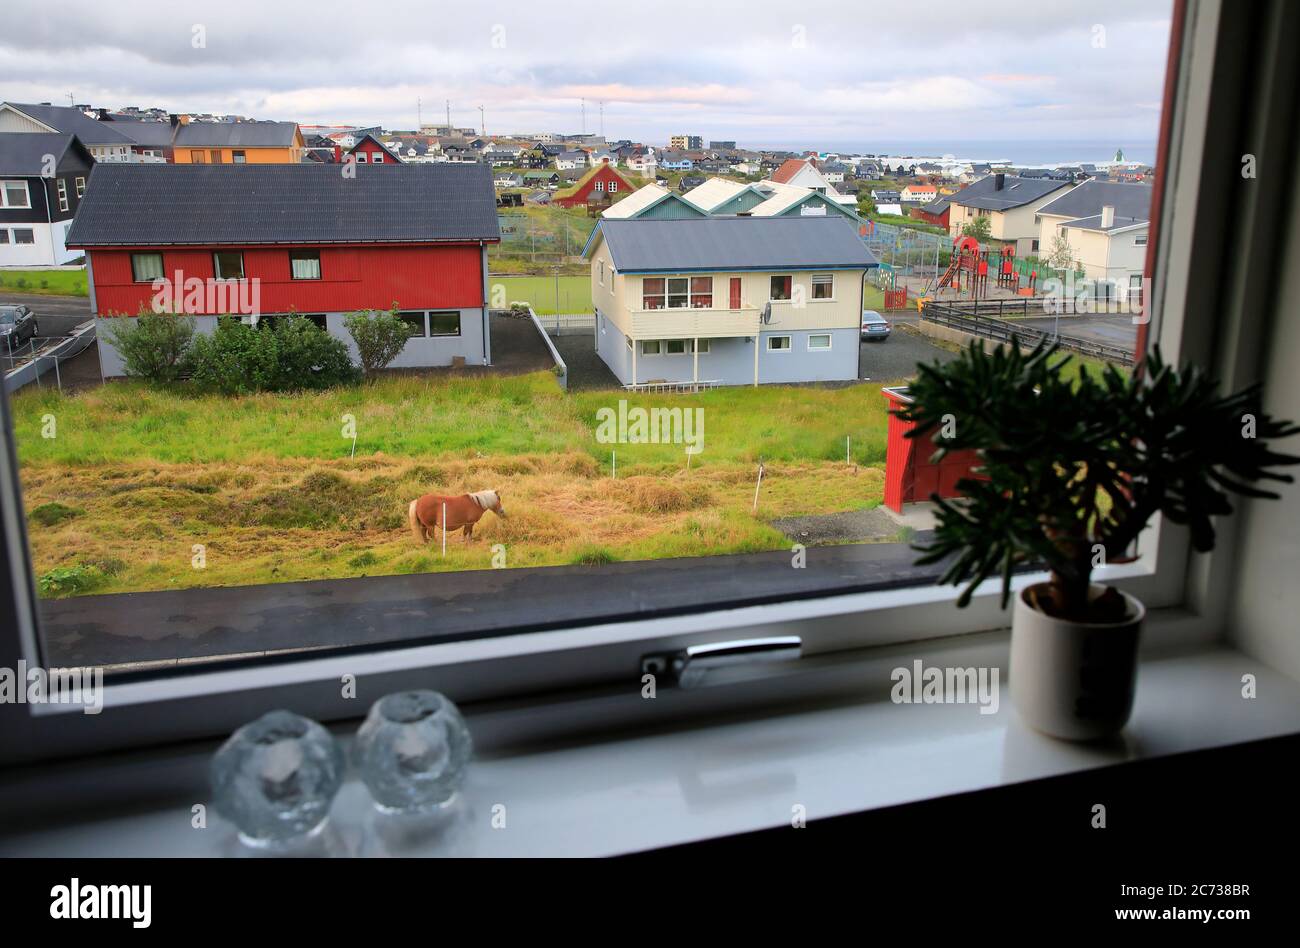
x,y
379,337
153,346
236,359
48,515
309,357
70,581
288,354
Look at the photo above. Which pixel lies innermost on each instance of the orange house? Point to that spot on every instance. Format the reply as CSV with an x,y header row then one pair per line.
x,y
237,143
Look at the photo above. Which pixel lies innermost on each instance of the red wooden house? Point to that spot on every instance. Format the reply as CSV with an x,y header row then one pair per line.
x,y
264,240
599,182
934,212
371,150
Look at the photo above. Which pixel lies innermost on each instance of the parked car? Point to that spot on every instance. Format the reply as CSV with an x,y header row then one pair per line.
x,y
874,326
17,325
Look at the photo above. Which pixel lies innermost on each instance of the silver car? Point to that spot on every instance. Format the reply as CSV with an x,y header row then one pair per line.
x,y
874,326
17,325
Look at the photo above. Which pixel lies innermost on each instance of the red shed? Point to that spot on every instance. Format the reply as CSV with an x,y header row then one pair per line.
x,y
601,180
910,475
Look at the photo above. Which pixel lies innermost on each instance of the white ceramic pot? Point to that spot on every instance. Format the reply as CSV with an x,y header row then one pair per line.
x,y
1074,680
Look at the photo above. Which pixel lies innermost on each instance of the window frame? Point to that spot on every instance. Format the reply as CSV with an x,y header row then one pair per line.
x,y
813,284
61,190
788,347
789,281
80,183
830,341
645,351
5,184
1183,592
135,273
444,312
305,253
31,235
216,266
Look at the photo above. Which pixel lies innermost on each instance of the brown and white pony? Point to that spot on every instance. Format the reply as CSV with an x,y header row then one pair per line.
x,y
462,513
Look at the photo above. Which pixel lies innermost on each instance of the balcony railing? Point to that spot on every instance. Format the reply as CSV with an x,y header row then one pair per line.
x,y
683,323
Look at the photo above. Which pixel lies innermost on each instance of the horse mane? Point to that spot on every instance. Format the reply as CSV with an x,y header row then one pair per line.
x,y
487,499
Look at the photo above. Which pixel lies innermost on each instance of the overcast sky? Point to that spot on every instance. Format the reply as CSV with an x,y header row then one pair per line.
x,y
763,73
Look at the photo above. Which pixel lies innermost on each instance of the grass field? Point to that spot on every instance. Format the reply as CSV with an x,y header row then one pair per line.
x,y
136,477
45,282
547,294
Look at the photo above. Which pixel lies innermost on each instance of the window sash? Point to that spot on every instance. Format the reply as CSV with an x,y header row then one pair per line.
x,y
24,235
304,264
778,344
444,323
146,267
823,286
228,265
16,194
781,288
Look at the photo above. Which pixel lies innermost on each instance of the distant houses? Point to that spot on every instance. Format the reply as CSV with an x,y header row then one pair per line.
x,y
1010,203
728,300
597,184
1104,226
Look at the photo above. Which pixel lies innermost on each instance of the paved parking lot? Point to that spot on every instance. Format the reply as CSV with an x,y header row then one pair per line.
x,y
1113,329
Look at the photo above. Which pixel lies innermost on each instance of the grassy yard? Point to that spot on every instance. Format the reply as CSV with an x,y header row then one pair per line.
x,y
568,294
266,484
45,282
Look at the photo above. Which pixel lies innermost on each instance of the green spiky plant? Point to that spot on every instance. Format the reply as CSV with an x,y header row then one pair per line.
x,y
1075,466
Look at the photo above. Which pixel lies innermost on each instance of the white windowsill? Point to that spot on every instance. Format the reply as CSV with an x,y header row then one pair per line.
x,y
691,783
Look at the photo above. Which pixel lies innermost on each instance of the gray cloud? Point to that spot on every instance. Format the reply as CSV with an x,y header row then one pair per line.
x,y
759,71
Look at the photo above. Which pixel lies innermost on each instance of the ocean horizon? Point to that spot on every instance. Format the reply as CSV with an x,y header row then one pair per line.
x,y
1023,153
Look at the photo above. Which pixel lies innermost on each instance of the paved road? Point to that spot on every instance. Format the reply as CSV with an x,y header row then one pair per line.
x,y
55,315
1113,329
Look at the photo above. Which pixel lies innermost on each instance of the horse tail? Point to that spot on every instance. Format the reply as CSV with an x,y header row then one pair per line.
x,y
417,529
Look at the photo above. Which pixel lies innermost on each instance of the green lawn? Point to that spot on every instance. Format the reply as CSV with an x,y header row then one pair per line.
x,y
568,294
45,282
268,485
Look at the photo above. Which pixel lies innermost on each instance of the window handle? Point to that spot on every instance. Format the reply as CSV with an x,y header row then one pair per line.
x,y
693,665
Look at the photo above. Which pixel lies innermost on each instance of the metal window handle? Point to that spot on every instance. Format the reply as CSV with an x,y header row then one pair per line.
x,y
692,665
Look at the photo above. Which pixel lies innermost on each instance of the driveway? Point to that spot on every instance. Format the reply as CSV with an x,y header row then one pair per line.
x,y
55,315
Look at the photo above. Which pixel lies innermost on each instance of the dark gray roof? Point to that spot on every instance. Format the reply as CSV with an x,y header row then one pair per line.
x,y
733,243
146,133
236,135
1132,202
23,153
242,205
1094,223
65,118
1016,192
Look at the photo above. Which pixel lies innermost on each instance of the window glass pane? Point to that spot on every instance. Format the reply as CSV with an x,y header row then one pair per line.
x,y
444,324
822,286
650,347
652,293
24,235
16,194
781,287
146,267
305,264
701,292
415,321
819,341
677,292
228,265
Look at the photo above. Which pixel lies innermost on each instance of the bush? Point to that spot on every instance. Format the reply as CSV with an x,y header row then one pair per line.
x,y
48,515
379,337
70,581
153,346
288,354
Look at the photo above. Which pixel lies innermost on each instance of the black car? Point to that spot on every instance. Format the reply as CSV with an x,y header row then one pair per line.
x,y
17,325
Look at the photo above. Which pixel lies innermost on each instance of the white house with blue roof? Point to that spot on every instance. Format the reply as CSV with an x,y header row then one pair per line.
x,y
728,300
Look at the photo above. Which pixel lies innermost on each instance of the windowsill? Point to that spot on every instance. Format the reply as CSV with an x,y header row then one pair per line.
x,y
686,783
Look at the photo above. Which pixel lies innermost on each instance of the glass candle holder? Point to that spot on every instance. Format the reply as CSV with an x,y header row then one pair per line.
x,y
412,751
276,777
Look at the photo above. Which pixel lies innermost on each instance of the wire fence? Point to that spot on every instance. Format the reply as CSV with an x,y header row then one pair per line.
x,y
549,239
42,356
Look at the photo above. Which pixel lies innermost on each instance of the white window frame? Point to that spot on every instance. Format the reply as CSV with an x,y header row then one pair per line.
x,y
812,288
61,186
81,186
1183,593
658,348
685,344
24,243
788,347
830,341
4,194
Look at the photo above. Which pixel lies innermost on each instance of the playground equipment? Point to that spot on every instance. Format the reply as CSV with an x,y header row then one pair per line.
x,y
968,270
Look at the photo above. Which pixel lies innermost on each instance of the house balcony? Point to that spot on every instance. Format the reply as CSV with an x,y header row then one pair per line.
x,y
694,323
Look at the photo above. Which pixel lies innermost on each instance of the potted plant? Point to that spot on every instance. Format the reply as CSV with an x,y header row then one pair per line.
x,y
1071,469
